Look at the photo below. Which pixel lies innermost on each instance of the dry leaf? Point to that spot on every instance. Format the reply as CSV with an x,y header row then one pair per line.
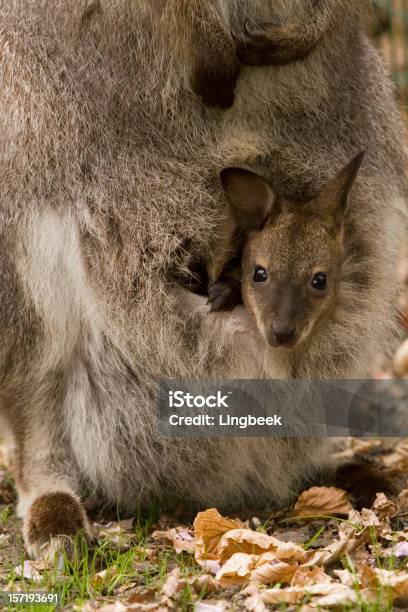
x,y
118,606
322,501
173,584
176,583
291,595
347,578
209,526
257,600
255,543
305,576
242,568
180,537
244,541
339,597
359,530
209,565
142,595
217,606
237,570
383,506
103,577
254,602
204,583
331,553
397,582
396,536
270,571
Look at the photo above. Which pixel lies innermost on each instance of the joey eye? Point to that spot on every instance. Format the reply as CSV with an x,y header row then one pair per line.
x,y
260,275
319,281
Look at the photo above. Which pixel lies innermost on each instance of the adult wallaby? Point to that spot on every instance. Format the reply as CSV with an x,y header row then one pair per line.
x,y
108,191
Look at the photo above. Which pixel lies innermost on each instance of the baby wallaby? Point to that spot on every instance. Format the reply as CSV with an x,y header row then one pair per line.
x,y
292,254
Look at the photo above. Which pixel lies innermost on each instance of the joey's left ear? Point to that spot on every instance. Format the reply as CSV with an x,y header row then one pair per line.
x,y
333,199
250,195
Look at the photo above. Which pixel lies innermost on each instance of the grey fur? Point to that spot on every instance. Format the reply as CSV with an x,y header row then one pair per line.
x,y
108,185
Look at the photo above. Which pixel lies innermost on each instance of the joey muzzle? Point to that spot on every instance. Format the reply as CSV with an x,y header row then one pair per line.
x,y
282,335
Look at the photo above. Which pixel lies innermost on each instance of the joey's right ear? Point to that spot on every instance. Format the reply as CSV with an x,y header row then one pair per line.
x,y
250,195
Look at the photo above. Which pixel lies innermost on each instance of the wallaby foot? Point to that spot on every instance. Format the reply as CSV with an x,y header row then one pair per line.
x,y
51,523
363,481
224,295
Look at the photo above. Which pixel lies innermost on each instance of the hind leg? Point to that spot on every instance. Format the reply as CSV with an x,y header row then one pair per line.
x,y
46,479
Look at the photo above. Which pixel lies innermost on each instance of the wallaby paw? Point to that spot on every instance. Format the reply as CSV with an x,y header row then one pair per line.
x,y
222,296
267,44
51,524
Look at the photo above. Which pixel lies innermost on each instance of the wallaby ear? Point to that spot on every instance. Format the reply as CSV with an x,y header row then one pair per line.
x,y
333,199
250,196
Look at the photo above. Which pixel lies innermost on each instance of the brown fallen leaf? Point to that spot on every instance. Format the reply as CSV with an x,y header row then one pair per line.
x,y
270,571
237,570
358,521
104,577
328,594
322,501
396,536
216,606
337,596
209,526
255,543
331,553
258,599
173,584
180,537
143,596
383,506
305,576
242,568
291,595
176,583
118,606
395,582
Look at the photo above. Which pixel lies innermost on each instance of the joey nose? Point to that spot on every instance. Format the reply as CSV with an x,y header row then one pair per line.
x,y
283,335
